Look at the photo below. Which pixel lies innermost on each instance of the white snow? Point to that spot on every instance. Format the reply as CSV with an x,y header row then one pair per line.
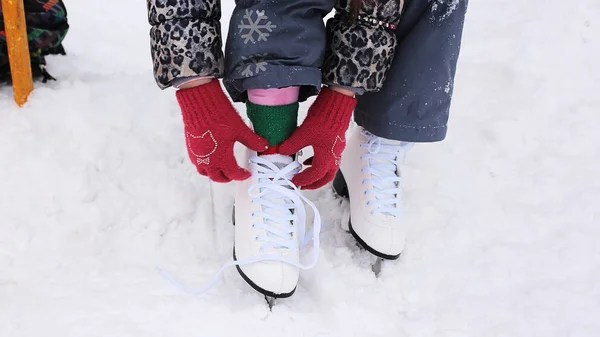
x,y
96,191
451,7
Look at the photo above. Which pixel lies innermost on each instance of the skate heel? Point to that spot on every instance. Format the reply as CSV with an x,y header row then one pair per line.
x,y
339,185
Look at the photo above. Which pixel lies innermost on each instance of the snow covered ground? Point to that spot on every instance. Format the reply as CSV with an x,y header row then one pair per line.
x,y
96,191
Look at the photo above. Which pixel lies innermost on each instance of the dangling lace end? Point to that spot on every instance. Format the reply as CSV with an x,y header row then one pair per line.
x,y
279,183
167,276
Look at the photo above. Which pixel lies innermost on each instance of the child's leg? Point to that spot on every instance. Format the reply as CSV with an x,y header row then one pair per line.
x,y
274,114
274,97
414,102
273,57
412,106
276,44
278,63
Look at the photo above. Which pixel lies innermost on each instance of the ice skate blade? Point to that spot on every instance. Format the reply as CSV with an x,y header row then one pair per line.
x,y
376,267
346,222
339,185
270,302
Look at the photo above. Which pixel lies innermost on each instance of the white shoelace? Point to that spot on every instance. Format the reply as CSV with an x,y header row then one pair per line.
x,y
282,204
278,203
383,159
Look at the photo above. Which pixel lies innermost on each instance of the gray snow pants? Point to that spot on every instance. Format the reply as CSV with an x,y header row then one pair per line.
x,y
275,44
414,103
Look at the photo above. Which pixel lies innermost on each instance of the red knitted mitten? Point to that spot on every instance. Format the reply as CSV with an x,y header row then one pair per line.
x,y
212,126
325,130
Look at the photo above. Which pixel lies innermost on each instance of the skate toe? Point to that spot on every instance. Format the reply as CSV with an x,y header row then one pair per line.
x,y
271,278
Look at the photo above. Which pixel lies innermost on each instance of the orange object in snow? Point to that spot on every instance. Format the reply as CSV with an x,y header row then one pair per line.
x,y
18,49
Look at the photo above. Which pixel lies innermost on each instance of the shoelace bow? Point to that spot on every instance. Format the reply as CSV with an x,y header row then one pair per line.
x,y
385,176
274,185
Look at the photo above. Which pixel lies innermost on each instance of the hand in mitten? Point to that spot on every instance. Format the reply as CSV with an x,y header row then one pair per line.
x,y
325,130
212,126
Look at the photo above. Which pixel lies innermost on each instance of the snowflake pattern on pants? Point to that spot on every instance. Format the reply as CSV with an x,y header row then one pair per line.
x,y
257,26
256,61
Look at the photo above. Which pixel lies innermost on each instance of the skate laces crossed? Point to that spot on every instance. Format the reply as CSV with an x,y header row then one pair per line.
x,y
385,176
282,205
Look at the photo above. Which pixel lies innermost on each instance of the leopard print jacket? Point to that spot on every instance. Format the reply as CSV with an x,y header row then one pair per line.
x,y
186,41
360,52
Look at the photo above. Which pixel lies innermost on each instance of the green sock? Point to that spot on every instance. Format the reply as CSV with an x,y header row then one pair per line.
x,y
273,123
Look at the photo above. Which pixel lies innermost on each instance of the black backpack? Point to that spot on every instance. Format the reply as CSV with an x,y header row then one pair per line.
x,y
47,26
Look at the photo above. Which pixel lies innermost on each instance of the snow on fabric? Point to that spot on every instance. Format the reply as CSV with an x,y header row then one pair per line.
x,y
97,191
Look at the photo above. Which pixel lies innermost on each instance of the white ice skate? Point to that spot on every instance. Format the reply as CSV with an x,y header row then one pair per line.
x,y
270,226
370,177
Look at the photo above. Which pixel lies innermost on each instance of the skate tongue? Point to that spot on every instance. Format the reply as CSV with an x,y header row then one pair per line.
x,y
279,160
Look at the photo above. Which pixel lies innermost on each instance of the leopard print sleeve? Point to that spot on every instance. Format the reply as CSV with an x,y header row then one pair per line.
x,y
359,52
185,39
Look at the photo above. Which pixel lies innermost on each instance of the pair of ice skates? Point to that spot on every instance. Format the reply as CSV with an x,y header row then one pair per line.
x,y
270,215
